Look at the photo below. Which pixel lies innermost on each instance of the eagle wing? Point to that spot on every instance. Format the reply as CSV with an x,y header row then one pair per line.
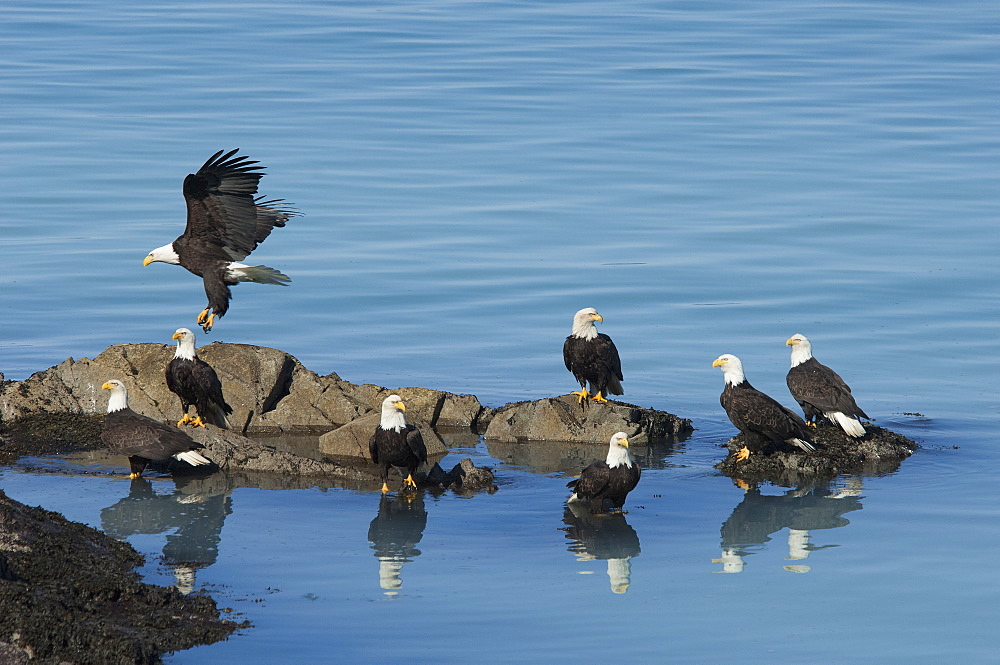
x,y
416,443
593,480
753,411
816,384
609,352
130,433
223,217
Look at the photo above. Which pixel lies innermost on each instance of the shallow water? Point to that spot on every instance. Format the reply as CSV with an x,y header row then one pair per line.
x,y
712,178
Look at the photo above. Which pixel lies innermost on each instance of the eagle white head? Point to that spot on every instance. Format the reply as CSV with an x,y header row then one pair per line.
x,y
165,254
118,399
801,349
618,451
583,323
732,368
393,413
185,344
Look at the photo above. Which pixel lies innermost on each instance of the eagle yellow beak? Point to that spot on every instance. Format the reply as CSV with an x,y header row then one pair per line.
x,y
400,406
149,259
718,362
791,342
107,386
624,443
596,317
176,335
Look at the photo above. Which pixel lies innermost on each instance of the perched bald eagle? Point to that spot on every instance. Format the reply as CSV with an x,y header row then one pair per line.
x,y
143,439
761,419
610,481
820,391
395,443
593,358
224,224
195,382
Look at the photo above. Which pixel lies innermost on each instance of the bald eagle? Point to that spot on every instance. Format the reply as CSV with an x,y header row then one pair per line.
x,y
195,382
395,443
761,419
143,439
225,222
592,357
610,481
820,391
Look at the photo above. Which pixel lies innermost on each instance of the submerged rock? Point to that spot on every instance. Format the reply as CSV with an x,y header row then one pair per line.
x,y
71,594
562,419
464,476
880,451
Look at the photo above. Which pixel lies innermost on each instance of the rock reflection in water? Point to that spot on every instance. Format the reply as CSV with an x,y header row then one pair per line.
x,y
393,534
802,510
191,518
607,537
569,458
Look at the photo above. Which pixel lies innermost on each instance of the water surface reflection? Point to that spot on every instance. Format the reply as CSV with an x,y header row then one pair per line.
x,y
802,510
191,518
605,537
394,533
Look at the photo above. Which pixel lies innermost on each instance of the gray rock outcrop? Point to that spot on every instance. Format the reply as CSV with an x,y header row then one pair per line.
x,y
880,451
269,390
351,440
562,419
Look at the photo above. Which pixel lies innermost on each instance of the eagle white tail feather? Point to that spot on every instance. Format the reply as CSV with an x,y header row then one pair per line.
x,y
573,498
851,426
192,458
804,445
258,274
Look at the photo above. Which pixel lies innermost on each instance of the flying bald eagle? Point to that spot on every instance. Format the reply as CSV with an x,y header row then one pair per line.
x,y
143,439
395,443
761,419
225,222
593,358
195,382
610,481
820,391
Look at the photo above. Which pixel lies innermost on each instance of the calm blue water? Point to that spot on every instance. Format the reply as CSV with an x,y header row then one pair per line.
x,y
712,177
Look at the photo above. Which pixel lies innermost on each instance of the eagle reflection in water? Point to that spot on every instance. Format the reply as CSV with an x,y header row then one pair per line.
x,y
801,510
605,536
191,517
394,533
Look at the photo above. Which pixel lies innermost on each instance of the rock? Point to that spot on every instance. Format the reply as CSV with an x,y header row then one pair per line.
x,y
464,476
880,451
472,477
438,408
232,452
269,390
562,419
351,440
72,594
62,433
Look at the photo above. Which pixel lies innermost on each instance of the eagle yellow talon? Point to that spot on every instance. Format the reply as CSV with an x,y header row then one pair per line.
x,y
743,454
598,398
133,476
385,488
184,421
409,482
197,422
203,316
582,395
